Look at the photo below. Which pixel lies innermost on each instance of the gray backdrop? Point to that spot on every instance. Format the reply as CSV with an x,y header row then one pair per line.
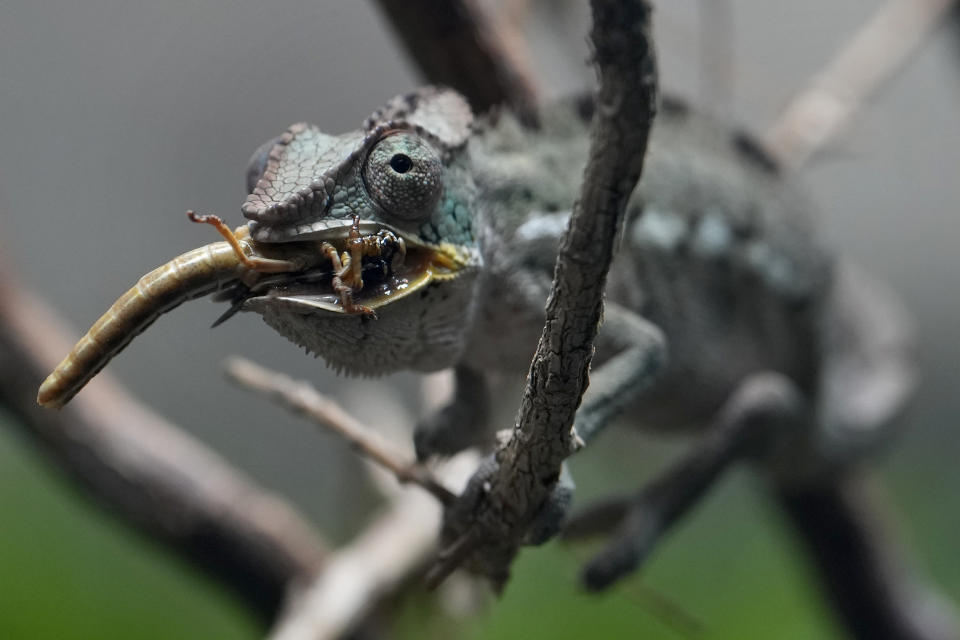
x,y
116,117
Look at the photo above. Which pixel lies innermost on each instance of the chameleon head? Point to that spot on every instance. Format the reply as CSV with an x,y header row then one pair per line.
x,y
402,175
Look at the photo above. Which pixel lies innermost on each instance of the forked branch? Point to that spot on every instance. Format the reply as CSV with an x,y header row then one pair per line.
x,y
301,398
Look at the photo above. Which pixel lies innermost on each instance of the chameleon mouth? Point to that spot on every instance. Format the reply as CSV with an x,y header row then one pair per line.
x,y
401,265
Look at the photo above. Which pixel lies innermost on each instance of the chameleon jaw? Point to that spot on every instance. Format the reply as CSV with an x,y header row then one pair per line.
x,y
379,282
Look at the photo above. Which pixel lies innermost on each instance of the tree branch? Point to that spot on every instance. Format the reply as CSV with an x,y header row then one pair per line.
x,y
391,550
817,115
395,548
529,463
458,44
150,472
301,398
870,585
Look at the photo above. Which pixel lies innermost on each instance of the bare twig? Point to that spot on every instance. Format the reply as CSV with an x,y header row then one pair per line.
x,y
870,584
529,463
458,44
150,472
381,558
823,109
303,399
388,553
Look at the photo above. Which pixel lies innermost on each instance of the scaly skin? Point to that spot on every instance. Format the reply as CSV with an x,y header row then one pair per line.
x,y
717,254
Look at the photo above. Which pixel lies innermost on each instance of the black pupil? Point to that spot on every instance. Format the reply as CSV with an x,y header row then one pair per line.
x,y
401,163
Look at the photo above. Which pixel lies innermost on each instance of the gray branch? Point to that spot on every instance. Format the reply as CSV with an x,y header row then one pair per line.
x,y
870,582
458,44
148,471
529,463
834,96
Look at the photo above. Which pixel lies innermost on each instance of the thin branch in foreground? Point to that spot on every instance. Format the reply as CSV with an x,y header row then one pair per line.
x,y
303,399
148,471
869,581
458,44
817,115
542,438
375,563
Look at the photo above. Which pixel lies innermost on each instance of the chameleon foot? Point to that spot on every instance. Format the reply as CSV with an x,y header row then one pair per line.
x,y
545,524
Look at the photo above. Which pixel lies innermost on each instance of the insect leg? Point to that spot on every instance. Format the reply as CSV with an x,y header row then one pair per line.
x,y
254,263
352,259
341,268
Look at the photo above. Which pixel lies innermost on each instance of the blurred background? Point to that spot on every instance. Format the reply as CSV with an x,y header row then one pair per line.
x,y
116,117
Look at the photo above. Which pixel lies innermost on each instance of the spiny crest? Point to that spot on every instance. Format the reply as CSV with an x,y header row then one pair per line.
x,y
439,113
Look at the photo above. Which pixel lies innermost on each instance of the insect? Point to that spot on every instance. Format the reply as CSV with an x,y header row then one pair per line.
x,y
239,269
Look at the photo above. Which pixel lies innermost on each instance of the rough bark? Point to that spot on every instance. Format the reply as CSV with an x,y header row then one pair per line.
x,y
529,463
460,45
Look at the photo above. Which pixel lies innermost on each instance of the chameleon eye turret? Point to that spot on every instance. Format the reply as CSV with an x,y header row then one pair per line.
x,y
404,175
337,234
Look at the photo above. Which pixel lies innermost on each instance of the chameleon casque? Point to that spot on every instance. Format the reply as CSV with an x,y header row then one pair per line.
x,y
718,275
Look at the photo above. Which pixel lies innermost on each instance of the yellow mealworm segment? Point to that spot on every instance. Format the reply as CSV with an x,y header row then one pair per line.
x,y
193,274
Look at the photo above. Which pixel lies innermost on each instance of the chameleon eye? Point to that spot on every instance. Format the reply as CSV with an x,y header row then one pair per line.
x,y
401,163
403,174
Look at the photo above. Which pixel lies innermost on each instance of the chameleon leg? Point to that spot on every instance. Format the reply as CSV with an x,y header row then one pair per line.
x,y
550,518
869,373
546,523
621,380
461,423
616,384
753,419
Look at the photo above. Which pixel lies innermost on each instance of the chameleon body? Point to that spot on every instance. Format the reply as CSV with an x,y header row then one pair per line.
x,y
718,273
717,252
